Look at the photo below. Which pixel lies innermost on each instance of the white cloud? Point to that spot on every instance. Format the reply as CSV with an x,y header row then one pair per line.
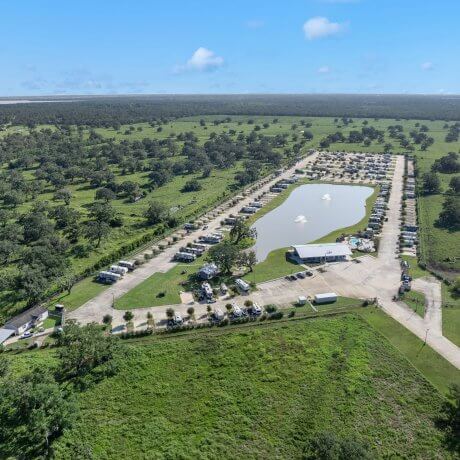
x,y
202,60
320,27
255,24
324,69
427,66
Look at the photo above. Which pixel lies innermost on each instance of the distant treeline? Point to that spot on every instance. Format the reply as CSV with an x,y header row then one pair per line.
x,y
105,111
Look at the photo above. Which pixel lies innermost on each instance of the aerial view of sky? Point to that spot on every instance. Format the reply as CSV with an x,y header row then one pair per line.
x,y
52,47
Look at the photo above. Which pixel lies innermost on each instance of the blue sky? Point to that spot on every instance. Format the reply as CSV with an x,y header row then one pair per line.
x,y
251,46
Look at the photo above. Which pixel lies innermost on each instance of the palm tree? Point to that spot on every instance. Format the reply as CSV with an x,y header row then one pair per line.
x,y
107,320
150,320
229,308
170,313
209,309
191,312
128,316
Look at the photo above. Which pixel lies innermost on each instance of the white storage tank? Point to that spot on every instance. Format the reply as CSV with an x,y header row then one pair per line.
x,y
327,297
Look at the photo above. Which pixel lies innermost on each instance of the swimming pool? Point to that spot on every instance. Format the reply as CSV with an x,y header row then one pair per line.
x,y
354,241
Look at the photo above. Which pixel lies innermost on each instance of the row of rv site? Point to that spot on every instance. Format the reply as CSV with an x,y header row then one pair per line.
x,y
409,236
363,166
252,309
115,272
409,230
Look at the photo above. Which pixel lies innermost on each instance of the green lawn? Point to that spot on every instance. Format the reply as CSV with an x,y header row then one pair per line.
x,y
432,365
158,289
274,266
342,303
416,301
259,392
451,315
415,271
82,292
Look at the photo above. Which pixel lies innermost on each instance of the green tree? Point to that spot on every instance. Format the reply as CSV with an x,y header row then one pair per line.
x,y
63,194
96,231
248,259
241,230
192,186
107,319
128,316
454,185
105,194
450,420
328,446
34,411
191,312
85,353
449,217
431,183
225,255
156,213
170,313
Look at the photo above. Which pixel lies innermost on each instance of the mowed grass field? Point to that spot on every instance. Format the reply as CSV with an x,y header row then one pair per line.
x,y
257,392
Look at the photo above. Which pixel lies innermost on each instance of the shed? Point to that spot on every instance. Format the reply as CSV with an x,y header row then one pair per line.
x,y
302,300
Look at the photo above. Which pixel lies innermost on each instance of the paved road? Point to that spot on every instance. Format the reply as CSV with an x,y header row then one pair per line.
x,y
373,277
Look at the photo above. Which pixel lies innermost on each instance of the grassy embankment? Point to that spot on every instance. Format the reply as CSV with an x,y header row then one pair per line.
x,y
257,391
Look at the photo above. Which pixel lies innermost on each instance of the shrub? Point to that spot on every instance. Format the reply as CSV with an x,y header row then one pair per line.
x,y
271,308
276,315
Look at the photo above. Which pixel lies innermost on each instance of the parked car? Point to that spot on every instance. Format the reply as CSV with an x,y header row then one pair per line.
x,y
176,321
26,335
301,275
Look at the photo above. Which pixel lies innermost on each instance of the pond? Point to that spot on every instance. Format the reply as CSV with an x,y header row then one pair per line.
x,y
310,212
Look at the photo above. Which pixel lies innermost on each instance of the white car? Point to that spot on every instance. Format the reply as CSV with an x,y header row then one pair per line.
x,y
26,335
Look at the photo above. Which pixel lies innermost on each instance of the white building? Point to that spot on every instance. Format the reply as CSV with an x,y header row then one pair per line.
x,y
320,253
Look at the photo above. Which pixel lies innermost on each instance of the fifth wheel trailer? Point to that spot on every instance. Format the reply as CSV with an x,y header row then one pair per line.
x,y
327,297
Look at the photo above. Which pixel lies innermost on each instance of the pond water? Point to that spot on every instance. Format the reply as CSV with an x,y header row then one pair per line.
x,y
310,212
